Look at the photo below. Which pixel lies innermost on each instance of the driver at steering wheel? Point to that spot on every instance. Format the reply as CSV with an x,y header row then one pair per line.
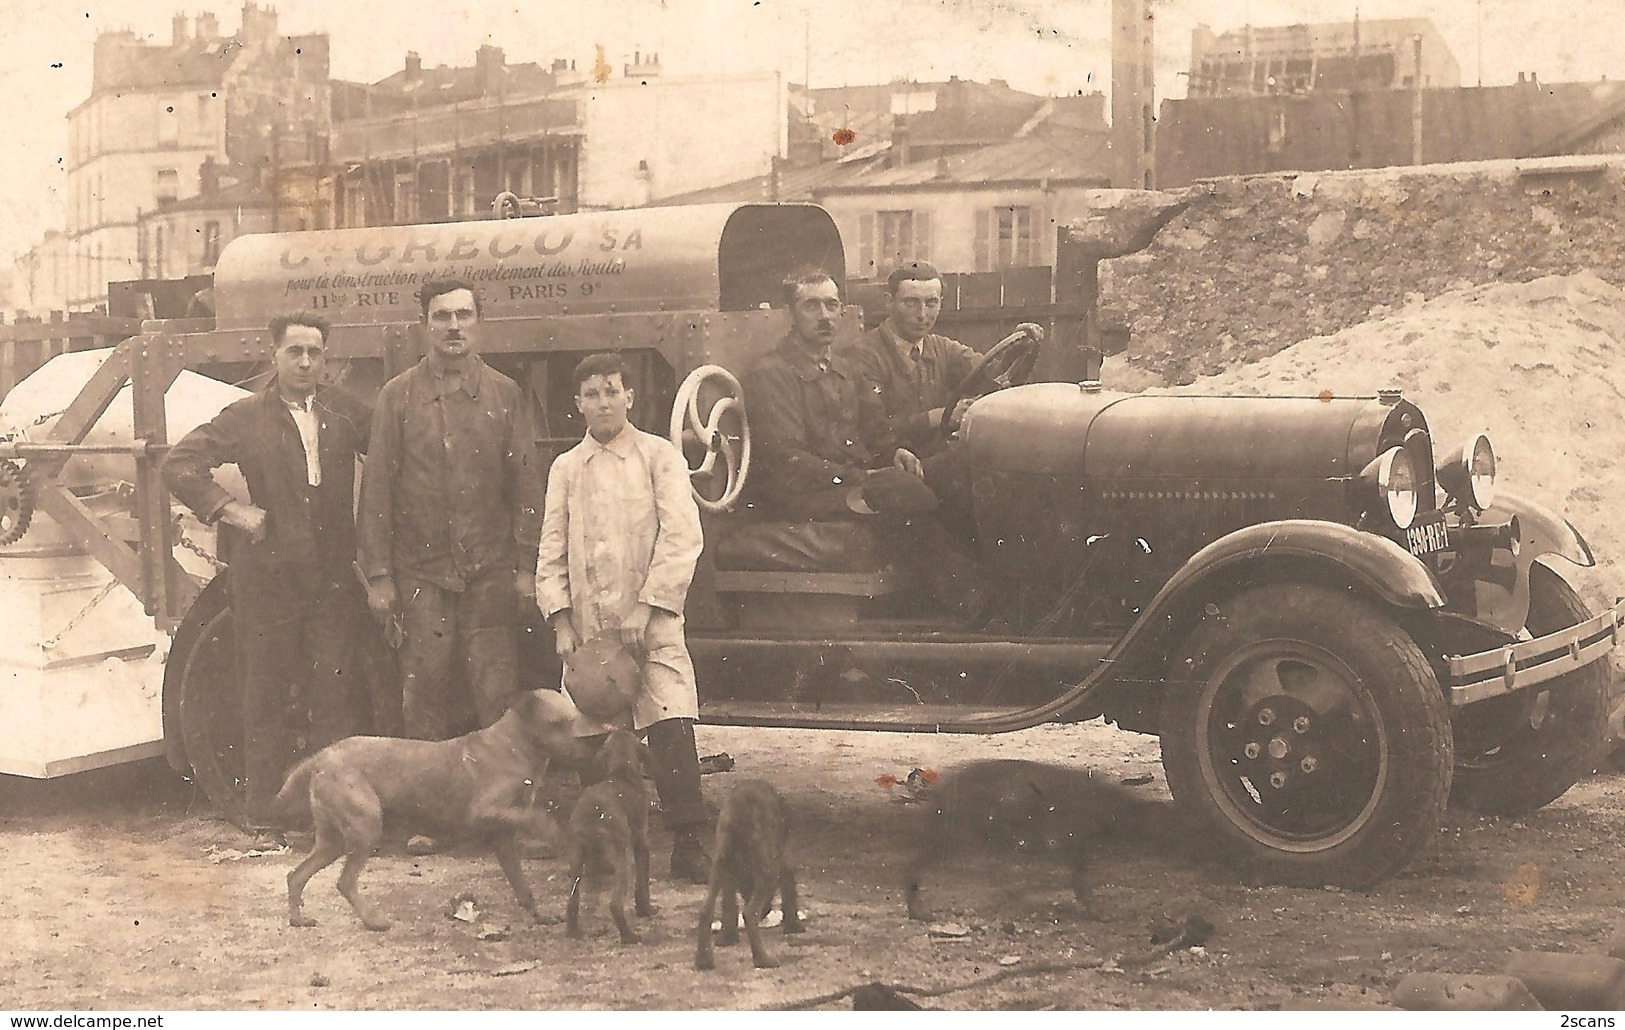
x,y
908,377
813,461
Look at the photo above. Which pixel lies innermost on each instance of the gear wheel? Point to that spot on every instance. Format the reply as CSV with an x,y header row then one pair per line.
x,y
16,502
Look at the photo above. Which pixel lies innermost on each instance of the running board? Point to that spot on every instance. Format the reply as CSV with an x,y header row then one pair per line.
x,y
969,650
888,717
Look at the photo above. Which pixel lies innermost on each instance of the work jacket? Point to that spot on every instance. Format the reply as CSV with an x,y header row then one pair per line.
x,y
453,489
804,421
258,435
895,398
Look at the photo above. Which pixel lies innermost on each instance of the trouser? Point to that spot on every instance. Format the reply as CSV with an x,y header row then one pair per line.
x,y
947,473
675,761
944,562
475,629
293,627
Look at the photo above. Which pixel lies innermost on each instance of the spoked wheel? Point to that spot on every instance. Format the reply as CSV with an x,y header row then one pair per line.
x,y
1520,751
709,425
1305,732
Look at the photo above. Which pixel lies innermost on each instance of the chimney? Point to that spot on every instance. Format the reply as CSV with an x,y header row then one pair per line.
x,y
206,27
111,59
489,62
414,68
259,25
899,142
177,30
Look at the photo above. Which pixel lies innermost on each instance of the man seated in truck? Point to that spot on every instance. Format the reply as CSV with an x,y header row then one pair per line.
x,y
814,463
909,374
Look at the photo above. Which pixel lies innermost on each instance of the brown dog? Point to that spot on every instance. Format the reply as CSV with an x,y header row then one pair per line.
x,y
1008,803
482,784
752,861
609,826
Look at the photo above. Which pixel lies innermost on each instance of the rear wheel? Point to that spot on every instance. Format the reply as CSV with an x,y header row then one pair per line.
x,y
202,675
1305,733
1520,751
210,695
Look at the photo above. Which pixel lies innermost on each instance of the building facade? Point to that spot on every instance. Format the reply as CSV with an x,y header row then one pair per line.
x,y
1395,53
250,105
1210,137
439,144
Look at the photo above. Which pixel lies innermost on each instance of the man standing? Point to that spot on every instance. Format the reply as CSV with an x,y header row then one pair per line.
x,y
815,461
450,513
620,538
290,549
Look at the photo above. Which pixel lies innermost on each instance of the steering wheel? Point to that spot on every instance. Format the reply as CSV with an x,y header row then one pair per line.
x,y
723,431
1011,359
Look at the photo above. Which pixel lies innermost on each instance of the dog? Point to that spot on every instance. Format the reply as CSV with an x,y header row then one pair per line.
x,y
751,862
1008,803
481,784
609,827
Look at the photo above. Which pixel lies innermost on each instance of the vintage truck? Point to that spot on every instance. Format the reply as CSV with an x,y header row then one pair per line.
x,y
1331,612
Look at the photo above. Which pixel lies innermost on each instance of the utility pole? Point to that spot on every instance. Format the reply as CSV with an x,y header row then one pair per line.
x,y
1133,94
1416,101
1479,48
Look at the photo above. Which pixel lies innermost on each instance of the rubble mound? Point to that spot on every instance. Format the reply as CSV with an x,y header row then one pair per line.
x,y
1536,364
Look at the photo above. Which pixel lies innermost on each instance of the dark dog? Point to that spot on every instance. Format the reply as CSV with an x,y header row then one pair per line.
x,y
752,861
483,784
609,826
1019,805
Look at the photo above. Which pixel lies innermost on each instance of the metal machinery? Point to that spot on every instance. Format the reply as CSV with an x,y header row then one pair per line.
x,y
1144,549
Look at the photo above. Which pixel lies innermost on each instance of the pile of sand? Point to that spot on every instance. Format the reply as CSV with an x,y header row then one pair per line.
x,y
1536,364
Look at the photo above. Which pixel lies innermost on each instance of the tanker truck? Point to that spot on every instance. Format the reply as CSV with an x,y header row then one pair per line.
x,y
1336,616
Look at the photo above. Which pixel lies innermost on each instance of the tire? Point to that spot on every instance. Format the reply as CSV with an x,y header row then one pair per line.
x,y
204,659
1521,751
1353,755
202,672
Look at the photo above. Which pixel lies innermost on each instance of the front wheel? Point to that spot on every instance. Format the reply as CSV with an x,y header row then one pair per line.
x,y
1306,734
1521,751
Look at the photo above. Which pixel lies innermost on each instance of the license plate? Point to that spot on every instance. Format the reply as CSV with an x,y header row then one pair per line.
x,y
1427,537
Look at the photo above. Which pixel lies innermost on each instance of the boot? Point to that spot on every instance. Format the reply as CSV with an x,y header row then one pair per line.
x,y
690,860
676,769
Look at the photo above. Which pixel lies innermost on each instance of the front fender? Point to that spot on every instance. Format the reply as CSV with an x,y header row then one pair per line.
x,y
1295,550
1373,562
1540,530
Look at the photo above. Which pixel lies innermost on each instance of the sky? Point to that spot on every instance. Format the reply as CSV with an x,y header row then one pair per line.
x,y
1049,47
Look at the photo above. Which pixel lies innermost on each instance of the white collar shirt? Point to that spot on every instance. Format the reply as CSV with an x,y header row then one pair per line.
x,y
309,424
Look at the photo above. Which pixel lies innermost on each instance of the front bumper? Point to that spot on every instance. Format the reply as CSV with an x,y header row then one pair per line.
x,y
1475,677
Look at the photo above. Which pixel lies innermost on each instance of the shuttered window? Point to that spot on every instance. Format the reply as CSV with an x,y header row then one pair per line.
x,y
1004,238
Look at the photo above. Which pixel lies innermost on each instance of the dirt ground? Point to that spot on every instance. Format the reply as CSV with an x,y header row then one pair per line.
x,y
125,892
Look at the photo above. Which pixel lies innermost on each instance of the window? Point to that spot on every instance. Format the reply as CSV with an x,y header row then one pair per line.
x,y
158,252
169,122
1277,130
169,185
211,243
888,238
462,193
1004,239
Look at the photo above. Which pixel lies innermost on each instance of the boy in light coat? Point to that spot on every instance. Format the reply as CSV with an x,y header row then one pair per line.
x,y
620,539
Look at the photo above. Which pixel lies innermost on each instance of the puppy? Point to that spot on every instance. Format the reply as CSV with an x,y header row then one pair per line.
x,y
609,826
482,784
1008,803
751,862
